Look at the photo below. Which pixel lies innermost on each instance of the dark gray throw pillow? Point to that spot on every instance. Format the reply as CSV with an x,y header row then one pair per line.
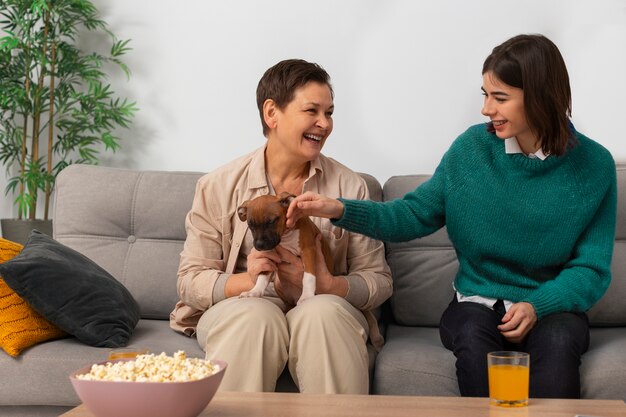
x,y
72,291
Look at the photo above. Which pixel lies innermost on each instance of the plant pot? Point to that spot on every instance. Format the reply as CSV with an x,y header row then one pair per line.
x,y
18,230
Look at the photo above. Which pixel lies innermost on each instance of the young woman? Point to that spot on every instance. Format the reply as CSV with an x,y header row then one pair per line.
x,y
529,204
323,340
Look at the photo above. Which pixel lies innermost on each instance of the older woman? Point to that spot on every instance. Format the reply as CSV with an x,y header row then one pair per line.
x,y
323,340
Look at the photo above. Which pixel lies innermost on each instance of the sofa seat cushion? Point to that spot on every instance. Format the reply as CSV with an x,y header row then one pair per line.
x,y
414,362
604,365
40,376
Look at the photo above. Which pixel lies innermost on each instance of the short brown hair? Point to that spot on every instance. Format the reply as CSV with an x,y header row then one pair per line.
x,y
280,82
534,64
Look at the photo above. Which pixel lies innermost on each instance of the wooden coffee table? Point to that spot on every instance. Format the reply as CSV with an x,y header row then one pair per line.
x,y
235,404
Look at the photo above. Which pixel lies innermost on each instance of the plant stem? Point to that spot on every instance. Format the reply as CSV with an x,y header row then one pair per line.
x,y
50,129
25,131
37,112
23,156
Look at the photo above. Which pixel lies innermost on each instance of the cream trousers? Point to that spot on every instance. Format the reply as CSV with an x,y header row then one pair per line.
x,y
323,341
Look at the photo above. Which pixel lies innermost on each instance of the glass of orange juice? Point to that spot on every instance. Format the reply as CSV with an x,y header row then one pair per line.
x,y
129,352
509,374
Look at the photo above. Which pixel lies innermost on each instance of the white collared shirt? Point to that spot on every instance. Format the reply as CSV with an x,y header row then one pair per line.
x,y
511,146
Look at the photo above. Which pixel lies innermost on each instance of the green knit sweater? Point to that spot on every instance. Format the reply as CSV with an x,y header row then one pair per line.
x,y
523,229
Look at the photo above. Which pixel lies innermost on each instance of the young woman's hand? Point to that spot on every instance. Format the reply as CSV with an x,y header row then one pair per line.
x,y
312,204
518,321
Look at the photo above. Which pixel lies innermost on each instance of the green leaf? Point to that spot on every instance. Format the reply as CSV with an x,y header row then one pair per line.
x,y
9,43
110,141
120,48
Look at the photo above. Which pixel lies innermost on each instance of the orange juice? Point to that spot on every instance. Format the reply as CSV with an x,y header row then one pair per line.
x,y
508,384
126,353
122,355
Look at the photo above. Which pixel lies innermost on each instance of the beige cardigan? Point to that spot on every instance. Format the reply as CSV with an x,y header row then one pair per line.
x,y
215,236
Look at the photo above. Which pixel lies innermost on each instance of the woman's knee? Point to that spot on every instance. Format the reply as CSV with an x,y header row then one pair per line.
x,y
562,332
468,323
327,311
322,306
257,311
246,317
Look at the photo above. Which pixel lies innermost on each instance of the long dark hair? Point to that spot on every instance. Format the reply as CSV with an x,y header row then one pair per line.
x,y
534,64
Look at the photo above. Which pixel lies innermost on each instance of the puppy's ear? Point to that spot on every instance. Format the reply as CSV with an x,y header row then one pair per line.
x,y
242,211
285,199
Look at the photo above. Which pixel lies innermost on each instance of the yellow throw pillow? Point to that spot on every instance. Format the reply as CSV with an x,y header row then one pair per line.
x,y
20,326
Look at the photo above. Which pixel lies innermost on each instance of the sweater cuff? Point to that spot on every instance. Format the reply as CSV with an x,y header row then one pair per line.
x,y
219,288
544,304
358,293
355,215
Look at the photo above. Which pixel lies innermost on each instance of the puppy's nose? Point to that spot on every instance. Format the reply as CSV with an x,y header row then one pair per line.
x,y
266,244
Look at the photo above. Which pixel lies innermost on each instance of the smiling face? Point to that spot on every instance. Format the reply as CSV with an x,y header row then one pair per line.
x,y
504,105
302,126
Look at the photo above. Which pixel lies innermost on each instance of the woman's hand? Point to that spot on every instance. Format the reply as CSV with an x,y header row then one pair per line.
x,y
260,262
312,204
518,321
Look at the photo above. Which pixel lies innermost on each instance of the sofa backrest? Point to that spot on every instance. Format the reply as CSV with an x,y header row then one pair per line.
x,y
131,223
611,309
423,269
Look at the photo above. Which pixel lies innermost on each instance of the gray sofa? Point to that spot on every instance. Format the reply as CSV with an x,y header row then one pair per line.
x,y
132,224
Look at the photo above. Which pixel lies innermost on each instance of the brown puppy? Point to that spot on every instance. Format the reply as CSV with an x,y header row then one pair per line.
x,y
266,216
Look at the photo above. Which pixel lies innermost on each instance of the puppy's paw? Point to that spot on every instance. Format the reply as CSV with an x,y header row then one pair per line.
x,y
308,287
251,293
303,298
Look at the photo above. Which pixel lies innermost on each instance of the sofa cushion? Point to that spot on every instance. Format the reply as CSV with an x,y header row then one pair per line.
x,y
413,362
611,309
133,226
603,366
72,292
20,326
40,376
423,269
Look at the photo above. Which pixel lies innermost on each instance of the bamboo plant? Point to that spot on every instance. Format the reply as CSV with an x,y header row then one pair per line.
x,y
56,107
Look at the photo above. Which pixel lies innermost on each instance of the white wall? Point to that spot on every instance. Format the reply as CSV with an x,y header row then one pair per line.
x,y
406,73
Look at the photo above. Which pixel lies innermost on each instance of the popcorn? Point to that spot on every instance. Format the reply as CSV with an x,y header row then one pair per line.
x,y
153,368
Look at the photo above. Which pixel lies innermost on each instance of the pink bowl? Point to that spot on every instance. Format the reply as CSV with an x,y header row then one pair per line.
x,y
147,399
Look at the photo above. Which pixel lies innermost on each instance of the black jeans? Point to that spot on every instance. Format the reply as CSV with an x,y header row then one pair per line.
x,y
555,345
